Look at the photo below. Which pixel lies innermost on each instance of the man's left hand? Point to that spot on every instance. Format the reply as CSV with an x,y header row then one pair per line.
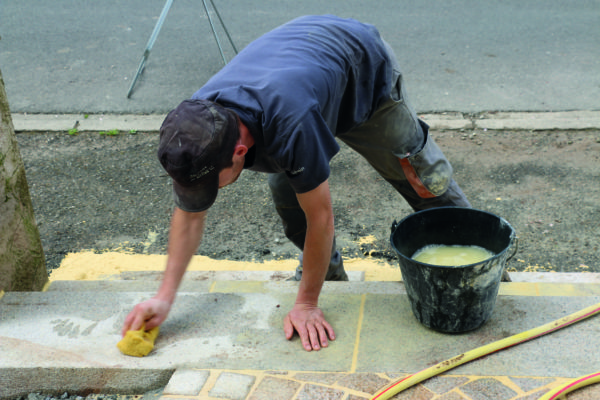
x,y
311,326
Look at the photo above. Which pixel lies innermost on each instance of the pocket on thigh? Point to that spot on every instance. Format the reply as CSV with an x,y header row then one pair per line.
x,y
428,171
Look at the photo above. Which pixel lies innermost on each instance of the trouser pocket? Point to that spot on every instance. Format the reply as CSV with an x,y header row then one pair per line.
x,y
428,171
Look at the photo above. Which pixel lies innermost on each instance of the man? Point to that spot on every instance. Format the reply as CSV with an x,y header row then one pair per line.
x,y
278,108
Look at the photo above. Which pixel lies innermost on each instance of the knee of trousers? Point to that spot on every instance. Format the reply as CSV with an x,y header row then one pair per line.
x,y
427,170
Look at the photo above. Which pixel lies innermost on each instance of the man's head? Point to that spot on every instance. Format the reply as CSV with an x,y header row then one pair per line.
x,y
197,140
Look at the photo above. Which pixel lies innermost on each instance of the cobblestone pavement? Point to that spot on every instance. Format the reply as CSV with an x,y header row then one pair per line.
x,y
284,385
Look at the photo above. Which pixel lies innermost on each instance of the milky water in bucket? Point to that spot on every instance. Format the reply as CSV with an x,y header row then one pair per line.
x,y
451,256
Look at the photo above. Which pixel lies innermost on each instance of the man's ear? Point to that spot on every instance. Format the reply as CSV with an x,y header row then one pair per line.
x,y
240,150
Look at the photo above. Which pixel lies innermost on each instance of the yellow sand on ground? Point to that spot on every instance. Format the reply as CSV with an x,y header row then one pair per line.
x,y
89,265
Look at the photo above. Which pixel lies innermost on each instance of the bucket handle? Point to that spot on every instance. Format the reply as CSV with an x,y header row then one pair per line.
x,y
394,226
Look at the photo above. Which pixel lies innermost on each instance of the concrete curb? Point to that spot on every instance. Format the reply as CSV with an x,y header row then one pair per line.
x,y
530,121
567,120
96,122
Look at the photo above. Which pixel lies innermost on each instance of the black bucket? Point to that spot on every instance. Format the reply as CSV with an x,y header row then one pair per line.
x,y
452,299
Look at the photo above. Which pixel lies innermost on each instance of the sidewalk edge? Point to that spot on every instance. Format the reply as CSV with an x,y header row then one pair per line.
x,y
564,120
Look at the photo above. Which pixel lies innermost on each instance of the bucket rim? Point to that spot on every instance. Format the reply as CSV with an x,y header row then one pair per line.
x,y
513,237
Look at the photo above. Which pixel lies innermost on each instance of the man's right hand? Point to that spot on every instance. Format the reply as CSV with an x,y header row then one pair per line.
x,y
184,238
149,314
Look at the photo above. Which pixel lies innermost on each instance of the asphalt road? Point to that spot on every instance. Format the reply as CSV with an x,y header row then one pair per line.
x,y
458,55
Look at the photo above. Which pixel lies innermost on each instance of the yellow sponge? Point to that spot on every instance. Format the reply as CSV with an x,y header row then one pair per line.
x,y
138,343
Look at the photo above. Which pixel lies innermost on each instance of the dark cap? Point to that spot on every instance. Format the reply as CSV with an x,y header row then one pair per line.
x,y
196,142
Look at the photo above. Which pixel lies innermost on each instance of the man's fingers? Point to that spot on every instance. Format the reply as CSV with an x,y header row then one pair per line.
x,y
130,323
137,323
148,314
126,324
329,329
288,327
319,333
312,336
322,335
314,331
152,323
137,318
304,337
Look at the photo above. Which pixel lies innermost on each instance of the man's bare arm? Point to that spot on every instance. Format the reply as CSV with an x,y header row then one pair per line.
x,y
184,238
306,317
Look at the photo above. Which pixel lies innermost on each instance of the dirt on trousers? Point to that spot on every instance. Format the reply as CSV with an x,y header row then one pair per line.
x,y
104,192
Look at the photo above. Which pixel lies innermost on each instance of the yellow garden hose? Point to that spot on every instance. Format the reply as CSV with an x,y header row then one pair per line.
x,y
569,387
404,383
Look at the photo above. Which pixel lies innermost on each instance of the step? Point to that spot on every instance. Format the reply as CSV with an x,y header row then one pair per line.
x,y
65,338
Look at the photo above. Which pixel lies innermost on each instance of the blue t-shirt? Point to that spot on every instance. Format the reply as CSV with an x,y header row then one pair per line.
x,y
299,86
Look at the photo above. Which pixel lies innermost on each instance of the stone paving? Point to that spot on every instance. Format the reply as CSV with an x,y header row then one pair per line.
x,y
68,333
298,385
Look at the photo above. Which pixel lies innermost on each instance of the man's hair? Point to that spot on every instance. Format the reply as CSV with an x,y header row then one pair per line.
x,y
229,152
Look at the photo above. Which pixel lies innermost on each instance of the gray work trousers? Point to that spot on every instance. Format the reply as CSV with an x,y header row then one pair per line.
x,y
398,146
